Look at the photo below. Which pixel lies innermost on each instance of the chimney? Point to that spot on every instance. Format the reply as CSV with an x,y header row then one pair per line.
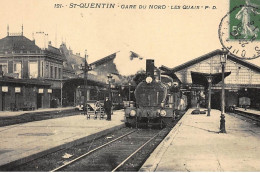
x,y
45,40
22,29
7,30
150,68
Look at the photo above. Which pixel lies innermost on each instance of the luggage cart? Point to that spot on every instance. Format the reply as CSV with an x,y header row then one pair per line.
x,y
100,113
90,111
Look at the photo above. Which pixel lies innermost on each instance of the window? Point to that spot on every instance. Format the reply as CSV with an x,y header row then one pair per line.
x,y
42,69
18,69
51,71
60,73
55,73
33,69
47,71
3,66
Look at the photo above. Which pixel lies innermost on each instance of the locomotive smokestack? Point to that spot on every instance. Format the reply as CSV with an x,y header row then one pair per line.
x,y
150,68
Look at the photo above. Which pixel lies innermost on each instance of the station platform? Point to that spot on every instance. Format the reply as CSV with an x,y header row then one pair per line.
x,y
248,111
23,142
17,113
194,145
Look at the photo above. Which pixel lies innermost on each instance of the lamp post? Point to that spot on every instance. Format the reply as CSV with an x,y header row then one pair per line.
x,y
223,59
129,93
85,69
109,85
209,78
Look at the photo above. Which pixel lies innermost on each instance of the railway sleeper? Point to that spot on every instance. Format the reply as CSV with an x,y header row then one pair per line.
x,y
145,122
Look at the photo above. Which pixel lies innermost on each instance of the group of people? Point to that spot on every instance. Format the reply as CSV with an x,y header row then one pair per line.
x,y
107,107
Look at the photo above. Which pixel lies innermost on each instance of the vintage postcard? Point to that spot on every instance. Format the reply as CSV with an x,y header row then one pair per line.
x,y
130,85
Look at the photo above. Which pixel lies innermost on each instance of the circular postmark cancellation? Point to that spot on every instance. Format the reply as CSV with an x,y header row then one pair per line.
x,y
239,30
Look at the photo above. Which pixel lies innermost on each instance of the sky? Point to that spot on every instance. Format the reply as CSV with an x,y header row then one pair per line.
x,y
169,36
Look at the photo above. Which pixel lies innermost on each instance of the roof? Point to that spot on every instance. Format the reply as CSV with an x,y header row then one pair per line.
x,y
80,81
172,75
104,60
17,44
53,50
209,55
24,81
201,78
71,58
73,62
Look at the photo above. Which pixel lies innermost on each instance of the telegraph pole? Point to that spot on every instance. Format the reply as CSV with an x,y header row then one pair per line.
x,y
85,69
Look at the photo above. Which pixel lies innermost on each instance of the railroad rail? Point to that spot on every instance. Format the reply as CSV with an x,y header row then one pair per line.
x,y
126,148
248,115
88,153
122,150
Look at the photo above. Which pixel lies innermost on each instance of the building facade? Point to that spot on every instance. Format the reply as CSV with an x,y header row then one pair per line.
x,y
21,59
23,94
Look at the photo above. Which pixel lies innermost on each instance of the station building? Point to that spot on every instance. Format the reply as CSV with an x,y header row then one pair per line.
x,y
242,80
33,73
23,94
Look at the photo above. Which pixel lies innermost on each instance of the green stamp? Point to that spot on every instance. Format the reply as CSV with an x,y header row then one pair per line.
x,y
239,29
244,19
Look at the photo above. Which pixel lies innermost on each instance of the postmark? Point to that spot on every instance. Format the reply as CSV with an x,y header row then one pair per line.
x,y
239,30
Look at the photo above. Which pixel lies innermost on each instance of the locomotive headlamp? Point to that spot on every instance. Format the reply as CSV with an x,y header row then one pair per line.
x,y
163,113
149,79
175,84
162,104
132,113
158,112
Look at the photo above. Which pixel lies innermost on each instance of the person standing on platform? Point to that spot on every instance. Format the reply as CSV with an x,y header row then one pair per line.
x,y
107,106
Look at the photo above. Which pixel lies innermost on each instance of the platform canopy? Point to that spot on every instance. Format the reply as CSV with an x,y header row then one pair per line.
x,y
201,78
172,75
75,82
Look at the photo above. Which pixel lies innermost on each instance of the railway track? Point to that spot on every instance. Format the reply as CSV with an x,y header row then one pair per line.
x,y
124,150
252,117
113,155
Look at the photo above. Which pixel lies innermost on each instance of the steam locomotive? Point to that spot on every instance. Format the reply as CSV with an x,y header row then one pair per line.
x,y
157,99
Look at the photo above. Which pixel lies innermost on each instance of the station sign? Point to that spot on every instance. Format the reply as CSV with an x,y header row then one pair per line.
x,y
40,90
17,89
49,90
4,89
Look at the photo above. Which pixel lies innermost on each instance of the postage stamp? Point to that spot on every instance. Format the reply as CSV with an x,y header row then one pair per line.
x,y
239,29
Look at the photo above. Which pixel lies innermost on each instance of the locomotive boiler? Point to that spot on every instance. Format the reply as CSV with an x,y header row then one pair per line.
x,y
156,100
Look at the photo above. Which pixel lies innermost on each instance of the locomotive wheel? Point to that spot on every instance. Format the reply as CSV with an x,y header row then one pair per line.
x,y
127,124
168,122
131,122
161,123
